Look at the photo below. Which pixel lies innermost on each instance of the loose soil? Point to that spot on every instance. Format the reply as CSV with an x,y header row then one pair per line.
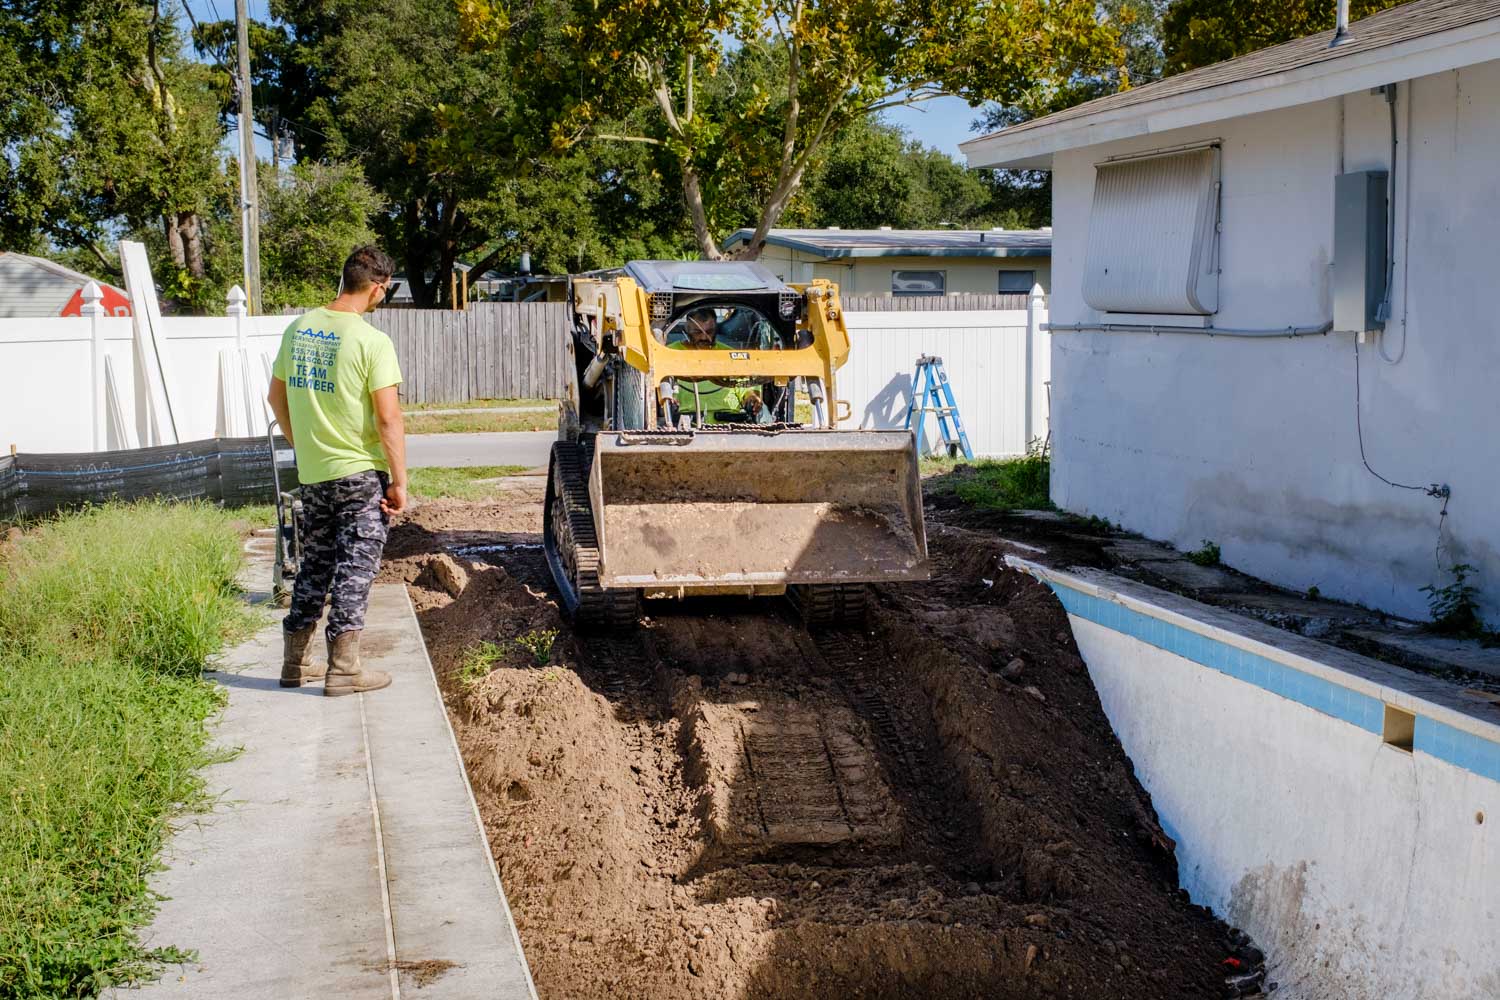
x,y
722,805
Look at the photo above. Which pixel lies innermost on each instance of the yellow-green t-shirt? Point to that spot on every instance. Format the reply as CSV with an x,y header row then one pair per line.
x,y
712,395
331,362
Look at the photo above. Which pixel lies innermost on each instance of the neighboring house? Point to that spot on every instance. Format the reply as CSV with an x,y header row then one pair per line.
x,y
33,286
1209,227
910,262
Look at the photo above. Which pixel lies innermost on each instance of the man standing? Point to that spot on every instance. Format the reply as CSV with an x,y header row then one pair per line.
x,y
333,390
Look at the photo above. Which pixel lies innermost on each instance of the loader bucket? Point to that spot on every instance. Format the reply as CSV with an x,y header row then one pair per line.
x,y
732,509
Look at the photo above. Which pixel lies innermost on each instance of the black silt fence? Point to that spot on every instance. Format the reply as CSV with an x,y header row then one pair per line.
x,y
231,472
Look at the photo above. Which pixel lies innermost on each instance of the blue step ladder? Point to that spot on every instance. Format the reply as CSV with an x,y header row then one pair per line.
x,y
931,393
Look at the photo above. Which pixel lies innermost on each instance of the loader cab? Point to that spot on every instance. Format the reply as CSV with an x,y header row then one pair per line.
x,y
734,327
725,306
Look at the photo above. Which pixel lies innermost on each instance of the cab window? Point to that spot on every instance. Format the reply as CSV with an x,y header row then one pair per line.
x,y
735,328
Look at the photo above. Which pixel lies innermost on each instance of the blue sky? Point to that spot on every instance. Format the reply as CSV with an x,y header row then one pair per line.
x,y
943,123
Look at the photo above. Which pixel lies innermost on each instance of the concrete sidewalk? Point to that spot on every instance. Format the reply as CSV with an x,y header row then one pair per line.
x,y
346,858
526,448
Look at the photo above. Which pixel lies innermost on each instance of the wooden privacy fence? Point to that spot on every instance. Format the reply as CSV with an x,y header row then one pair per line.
x,y
493,350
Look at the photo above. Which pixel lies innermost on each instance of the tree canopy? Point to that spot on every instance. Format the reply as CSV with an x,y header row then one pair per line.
x,y
1200,32
105,127
653,72
461,130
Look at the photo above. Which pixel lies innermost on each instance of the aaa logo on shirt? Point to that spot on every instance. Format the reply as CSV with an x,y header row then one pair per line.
x,y
315,355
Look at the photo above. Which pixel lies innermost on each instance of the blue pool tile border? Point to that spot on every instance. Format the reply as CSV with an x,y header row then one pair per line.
x,y
1438,739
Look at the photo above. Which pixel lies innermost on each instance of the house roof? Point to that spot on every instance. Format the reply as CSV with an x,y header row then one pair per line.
x,y
35,286
1414,39
842,243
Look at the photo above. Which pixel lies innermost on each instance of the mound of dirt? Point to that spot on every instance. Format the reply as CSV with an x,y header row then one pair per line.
x,y
721,805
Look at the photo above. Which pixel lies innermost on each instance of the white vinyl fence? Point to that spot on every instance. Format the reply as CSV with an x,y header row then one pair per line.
x,y
73,384
86,384
998,363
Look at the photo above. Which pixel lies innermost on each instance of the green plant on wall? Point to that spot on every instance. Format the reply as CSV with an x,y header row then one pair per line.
x,y
1455,607
1208,555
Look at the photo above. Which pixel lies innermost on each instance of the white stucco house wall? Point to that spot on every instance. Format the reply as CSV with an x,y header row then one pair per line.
x,y
1203,382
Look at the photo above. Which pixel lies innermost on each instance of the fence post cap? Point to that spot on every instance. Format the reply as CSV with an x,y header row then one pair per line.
x,y
93,300
1036,291
237,299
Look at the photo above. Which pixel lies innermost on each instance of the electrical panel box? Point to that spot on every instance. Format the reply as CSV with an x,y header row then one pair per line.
x,y
1359,250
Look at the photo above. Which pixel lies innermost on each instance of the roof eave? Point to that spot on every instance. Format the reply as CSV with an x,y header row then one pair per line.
x,y
846,252
843,252
1436,53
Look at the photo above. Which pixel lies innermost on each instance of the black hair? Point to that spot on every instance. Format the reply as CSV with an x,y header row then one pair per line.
x,y
366,266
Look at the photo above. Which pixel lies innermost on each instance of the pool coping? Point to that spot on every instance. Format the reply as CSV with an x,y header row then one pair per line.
x,y
1336,682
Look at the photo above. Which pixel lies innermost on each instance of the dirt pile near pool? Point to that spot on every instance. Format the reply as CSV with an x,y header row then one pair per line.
x,y
722,805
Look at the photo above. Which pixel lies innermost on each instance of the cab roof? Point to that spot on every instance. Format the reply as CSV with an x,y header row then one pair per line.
x,y
704,276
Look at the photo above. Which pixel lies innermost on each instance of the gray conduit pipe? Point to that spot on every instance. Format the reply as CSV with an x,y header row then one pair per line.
x,y
1320,330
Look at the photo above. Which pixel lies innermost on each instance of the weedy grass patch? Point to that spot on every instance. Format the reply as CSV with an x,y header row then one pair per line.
x,y
106,619
464,483
480,404
479,659
995,484
479,423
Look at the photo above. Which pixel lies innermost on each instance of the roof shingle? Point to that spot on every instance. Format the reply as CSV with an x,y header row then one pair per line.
x,y
1402,23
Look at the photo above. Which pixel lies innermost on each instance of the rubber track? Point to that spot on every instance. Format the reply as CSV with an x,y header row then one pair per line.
x,y
827,605
597,608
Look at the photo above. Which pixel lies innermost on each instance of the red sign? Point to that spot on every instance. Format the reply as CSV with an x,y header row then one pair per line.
x,y
114,303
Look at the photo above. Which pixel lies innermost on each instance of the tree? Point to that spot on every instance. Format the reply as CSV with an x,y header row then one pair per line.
x,y
315,215
106,127
383,84
584,69
874,176
1200,32
1139,23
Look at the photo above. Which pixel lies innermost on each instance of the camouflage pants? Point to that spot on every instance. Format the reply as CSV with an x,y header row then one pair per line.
x,y
343,534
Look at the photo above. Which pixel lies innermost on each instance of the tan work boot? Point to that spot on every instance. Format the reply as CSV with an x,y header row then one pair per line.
x,y
296,660
344,673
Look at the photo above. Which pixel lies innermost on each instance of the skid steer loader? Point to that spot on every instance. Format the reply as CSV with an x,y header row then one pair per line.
x,y
698,450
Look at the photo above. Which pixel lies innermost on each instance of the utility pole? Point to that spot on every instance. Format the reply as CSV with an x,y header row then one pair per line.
x,y
249,202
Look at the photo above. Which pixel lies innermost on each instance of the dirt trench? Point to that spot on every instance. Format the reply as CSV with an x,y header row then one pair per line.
x,y
721,805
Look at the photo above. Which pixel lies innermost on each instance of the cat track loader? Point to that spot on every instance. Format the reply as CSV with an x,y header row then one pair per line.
x,y
699,451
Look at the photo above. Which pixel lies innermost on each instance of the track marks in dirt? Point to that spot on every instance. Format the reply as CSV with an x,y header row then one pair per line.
x,y
774,773
721,805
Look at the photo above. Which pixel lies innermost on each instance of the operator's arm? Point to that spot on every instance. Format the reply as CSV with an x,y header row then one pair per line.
x,y
283,413
392,427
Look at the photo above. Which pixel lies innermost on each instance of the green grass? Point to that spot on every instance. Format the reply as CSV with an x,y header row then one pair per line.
x,y
476,404
1003,484
482,657
465,483
256,515
106,619
479,423
478,660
